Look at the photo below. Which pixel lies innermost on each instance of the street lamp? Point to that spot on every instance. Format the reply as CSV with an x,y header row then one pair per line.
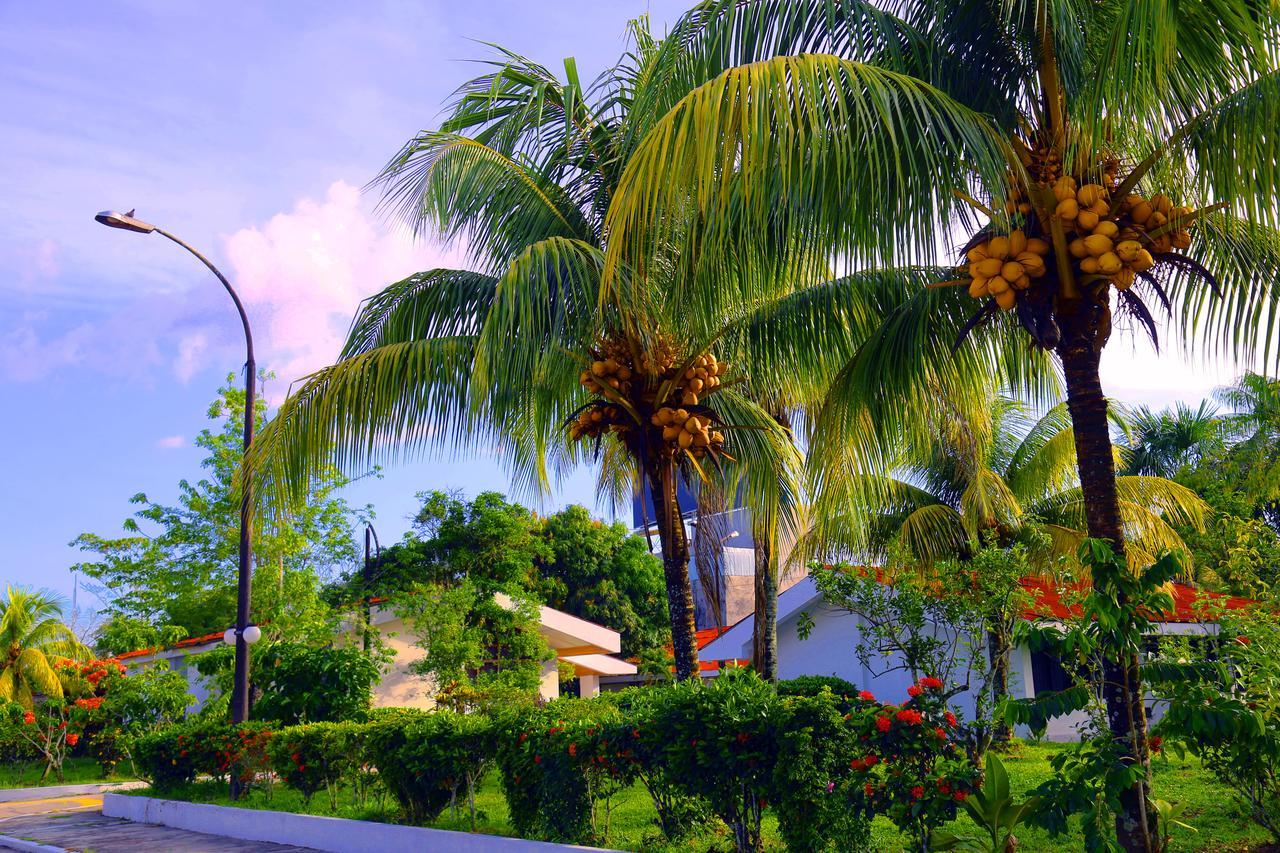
x,y
240,692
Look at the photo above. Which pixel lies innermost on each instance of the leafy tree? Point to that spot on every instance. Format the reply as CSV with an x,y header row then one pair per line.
x,y
602,573
567,560
173,572
315,684
864,133
1165,443
32,637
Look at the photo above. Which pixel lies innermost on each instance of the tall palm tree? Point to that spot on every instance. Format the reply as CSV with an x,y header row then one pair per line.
x,y
526,353
870,131
32,635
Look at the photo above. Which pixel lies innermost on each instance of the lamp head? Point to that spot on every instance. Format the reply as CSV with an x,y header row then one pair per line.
x,y
127,221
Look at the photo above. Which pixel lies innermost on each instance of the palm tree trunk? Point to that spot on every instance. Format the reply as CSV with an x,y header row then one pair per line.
x,y
765,631
661,475
1080,352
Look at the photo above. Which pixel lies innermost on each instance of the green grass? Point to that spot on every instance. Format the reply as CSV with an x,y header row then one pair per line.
x,y
75,771
1221,827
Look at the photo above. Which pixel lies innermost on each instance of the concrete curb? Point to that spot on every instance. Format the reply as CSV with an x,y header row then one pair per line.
x,y
12,795
8,842
329,834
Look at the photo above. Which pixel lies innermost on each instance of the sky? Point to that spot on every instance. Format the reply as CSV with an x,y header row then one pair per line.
x,y
247,129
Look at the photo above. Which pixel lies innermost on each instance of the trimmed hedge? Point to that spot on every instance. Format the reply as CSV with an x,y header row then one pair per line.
x,y
429,760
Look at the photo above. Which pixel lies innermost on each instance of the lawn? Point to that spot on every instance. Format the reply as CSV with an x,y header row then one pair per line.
x,y
1210,810
75,771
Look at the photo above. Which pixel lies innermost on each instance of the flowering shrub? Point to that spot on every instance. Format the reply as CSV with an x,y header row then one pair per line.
x,y
428,761
922,772
556,761
720,743
175,756
316,756
817,787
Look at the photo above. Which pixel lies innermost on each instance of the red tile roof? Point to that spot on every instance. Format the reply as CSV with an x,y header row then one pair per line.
x,y
1189,604
181,644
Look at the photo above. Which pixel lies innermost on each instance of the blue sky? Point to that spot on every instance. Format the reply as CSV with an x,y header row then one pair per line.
x,y
247,129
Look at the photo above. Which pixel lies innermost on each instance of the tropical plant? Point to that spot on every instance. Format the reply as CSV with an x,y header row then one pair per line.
x,y
32,637
979,477
864,132
994,810
528,353
1161,444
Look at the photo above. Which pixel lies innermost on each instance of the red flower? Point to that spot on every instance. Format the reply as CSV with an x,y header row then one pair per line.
x,y
960,796
883,723
931,683
868,789
743,737
867,696
943,787
951,719
910,718
871,760
573,749
1156,742
917,792
523,735
914,690
537,759
940,733
28,718
72,738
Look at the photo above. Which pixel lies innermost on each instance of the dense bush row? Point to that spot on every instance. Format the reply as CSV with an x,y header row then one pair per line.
x,y
824,763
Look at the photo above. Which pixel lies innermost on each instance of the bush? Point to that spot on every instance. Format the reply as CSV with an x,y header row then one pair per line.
x,y
312,684
719,742
174,756
317,755
428,760
818,782
845,692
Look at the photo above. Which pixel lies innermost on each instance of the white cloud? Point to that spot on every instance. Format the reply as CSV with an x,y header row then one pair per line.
x,y
171,442
303,274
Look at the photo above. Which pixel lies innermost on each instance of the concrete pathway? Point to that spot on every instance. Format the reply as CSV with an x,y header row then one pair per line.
x,y
77,824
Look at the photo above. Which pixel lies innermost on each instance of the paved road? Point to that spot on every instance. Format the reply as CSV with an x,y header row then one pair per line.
x,y
76,823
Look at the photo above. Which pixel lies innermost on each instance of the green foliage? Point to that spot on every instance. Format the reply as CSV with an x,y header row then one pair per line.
x,y
720,744
311,684
172,573
842,691
317,756
550,772
816,787
174,756
1232,721
995,811
472,640
568,561
429,760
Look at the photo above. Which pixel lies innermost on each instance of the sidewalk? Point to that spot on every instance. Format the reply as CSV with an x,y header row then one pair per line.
x,y
77,824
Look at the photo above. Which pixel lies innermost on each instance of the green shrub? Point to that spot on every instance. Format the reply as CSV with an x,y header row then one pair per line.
x,y
174,756
312,684
560,768
719,742
845,692
817,788
427,761
316,756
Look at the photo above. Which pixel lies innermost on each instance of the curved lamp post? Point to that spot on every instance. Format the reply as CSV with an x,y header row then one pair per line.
x,y
243,628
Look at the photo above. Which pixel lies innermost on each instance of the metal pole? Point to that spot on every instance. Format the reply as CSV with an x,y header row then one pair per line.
x,y
240,689
366,579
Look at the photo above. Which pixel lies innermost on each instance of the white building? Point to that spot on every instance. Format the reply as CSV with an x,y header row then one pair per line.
x,y
834,635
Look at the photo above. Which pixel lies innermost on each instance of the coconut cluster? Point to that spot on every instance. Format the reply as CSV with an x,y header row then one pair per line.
x,y
1109,238
658,386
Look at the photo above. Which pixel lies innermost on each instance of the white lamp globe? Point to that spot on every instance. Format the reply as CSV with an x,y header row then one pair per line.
x,y
229,636
252,634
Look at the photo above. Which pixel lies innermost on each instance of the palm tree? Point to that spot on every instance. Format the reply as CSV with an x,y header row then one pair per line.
x,y
32,636
983,479
1163,443
526,353
867,133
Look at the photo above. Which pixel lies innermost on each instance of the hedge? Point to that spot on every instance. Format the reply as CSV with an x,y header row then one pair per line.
x,y
429,760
